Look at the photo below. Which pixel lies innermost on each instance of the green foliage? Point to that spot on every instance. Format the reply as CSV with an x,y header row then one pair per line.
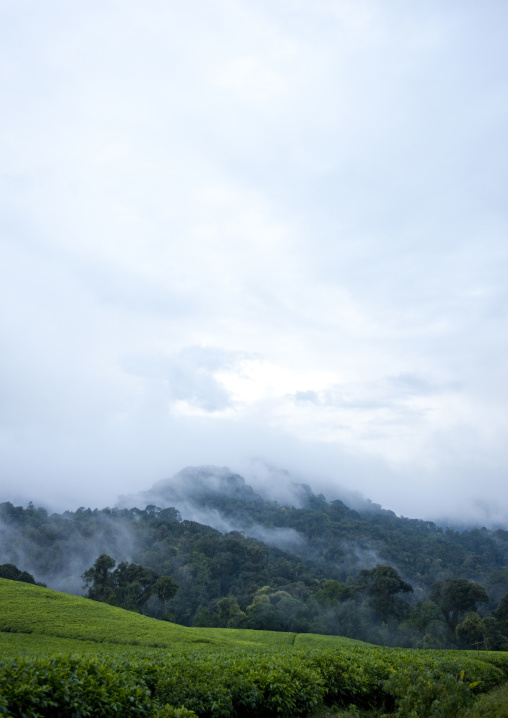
x,y
165,588
283,682
491,705
455,596
348,677
71,688
495,640
320,573
227,673
424,692
331,592
171,712
12,572
99,578
114,663
501,614
25,608
427,625
382,584
471,631
225,684
326,593
129,585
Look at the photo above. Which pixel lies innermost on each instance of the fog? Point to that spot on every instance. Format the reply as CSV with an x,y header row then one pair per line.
x,y
255,235
59,555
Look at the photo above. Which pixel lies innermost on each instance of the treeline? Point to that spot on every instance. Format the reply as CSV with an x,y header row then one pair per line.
x,y
128,586
371,608
13,573
233,580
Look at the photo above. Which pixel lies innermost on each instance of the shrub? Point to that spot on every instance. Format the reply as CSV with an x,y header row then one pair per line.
x,y
71,688
422,692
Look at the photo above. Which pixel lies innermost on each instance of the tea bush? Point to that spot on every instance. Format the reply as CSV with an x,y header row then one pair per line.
x,y
71,688
423,692
270,682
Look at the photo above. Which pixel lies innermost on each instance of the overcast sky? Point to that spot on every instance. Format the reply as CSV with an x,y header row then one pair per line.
x,y
271,231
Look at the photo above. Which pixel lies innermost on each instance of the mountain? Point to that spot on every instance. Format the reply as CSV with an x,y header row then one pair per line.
x,y
330,533
244,558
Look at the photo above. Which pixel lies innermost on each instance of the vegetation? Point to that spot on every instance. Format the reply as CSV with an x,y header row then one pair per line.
x,y
112,662
250,629
31,609
455,596
269,682
9,570
491,705
366,574
129,585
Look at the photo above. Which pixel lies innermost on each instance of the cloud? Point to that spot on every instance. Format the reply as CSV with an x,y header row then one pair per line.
x,y
189,376
273,230
402,395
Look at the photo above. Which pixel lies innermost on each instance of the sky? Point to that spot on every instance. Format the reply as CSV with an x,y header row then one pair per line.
x,y
250,234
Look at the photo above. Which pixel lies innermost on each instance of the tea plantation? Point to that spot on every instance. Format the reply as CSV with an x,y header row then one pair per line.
x,y
68,656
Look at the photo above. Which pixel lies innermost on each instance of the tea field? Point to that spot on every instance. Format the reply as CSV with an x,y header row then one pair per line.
x,y
69,656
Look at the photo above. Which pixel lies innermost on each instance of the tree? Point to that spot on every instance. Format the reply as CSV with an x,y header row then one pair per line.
x,y
12,572
165,588
261,614
455,596
128,586
98,578
501,614
331,592
294,614
425,626
229,613
263,617
425,614
133,585
471,630
382,584
496,640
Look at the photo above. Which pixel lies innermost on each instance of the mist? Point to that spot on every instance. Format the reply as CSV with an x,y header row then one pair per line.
x,y
198,495
61,566
260,235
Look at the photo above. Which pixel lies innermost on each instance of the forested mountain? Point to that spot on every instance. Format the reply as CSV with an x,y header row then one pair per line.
x,y
363,572
331,533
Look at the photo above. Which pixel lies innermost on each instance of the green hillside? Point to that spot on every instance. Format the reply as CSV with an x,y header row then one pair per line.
x,y
72,654
307,570
48,615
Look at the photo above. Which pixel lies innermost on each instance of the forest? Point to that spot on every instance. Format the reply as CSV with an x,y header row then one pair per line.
x,y
364,574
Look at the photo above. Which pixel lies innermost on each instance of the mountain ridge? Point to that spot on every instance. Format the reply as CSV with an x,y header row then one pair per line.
x,y
242,557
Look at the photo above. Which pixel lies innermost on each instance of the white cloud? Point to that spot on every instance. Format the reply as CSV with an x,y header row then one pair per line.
x,y
231,230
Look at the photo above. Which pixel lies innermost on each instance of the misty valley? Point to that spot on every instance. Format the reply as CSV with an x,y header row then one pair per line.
x,y
322,567
204,552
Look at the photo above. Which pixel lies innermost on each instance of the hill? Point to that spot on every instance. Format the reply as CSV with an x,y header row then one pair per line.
x,y
72,654
297,566
35,619
341,538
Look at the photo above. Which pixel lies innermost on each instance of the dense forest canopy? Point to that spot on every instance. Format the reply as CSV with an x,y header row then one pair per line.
x,y
361,573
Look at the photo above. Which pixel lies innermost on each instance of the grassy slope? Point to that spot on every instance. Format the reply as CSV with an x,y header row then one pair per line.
x,y
56,621
36,622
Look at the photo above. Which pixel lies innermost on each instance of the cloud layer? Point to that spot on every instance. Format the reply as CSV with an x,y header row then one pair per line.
x,y
273,230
